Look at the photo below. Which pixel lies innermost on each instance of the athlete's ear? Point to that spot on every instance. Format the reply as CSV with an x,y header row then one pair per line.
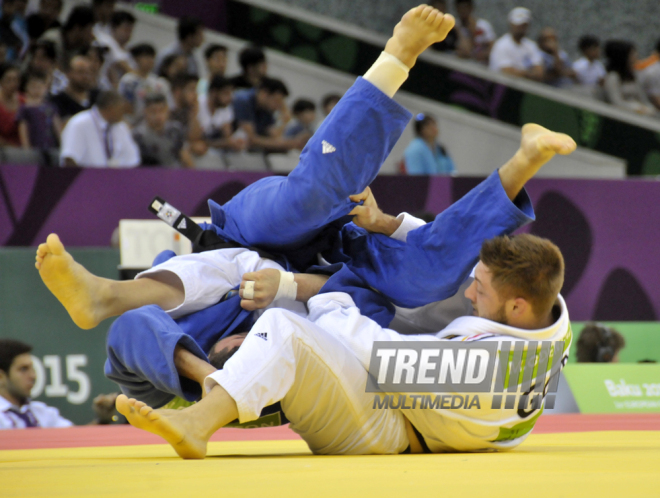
x,y
518,306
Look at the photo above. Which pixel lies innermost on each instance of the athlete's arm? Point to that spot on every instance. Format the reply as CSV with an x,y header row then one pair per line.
x,y
370,217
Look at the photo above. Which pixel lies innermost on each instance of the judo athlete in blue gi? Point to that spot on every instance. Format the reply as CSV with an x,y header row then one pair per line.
x,y
156,355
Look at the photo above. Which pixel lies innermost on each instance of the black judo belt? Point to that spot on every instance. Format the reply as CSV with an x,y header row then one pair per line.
x,y
202,240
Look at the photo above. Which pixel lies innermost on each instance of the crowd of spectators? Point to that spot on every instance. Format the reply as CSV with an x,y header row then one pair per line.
x,y
147,106
620,80
80,93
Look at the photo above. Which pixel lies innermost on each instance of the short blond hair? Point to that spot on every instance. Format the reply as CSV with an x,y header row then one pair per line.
x,y
525,266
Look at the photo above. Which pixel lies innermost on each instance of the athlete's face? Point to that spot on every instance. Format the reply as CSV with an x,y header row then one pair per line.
x,y
486,301
230,342
20,380
225,348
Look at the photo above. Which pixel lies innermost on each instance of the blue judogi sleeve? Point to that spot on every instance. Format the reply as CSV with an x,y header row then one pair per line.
x,y
439,256
141,343
341,159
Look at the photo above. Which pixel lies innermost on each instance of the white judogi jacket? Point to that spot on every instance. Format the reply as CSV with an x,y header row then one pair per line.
x,y
443,429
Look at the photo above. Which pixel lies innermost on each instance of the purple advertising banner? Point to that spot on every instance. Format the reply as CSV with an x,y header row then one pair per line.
x,y
607,230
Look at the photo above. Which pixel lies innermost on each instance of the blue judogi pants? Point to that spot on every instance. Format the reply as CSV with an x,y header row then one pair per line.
x,y
284,215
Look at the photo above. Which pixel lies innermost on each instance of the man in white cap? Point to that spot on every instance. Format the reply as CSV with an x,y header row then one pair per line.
x,y
516,54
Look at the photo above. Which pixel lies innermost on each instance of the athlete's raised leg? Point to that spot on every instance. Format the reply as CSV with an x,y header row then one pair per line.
x,y
438,257
344,155
90,299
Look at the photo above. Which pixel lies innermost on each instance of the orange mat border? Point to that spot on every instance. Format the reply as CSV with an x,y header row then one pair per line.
x,y
125,435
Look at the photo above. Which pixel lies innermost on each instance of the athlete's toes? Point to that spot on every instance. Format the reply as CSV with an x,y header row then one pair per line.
x,y
145,410
42,250
55,244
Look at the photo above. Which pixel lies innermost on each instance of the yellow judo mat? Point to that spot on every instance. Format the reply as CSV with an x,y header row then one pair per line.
x,y
585,464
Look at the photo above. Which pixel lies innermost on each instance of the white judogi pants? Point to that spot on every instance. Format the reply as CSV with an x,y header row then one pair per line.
x,y
319,382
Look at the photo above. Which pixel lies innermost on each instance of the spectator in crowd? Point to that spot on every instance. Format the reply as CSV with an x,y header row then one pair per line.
x,y
190,33
43,57
3,52
98,137
97,55
118,60
39,126
162,142
186,109
254,66
621,86
329,102
475,35
450,43
589,70
557,67
649,76
135,86
172,66
10,102
216,63
599,344
304,115
17,378
8,30
47,17
216,116
19,26
75,36
103,10
425,155
514,53
80,93
255,111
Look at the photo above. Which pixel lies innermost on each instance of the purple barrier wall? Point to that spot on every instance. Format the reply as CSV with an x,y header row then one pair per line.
x,y
606,229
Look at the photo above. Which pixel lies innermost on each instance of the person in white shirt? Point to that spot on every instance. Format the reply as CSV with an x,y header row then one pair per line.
x,y
589,70
17,378
649,76
118,60
98,138
102,10
216,115
514,53
622,87
475,35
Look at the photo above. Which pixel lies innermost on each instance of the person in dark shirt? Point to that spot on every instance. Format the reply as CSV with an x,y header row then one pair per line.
x,y
39,126
75,36
8,36
255,67
161,140
255,111
79,95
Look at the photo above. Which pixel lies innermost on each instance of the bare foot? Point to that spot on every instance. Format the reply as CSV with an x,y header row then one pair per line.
x,y
537,147
172,425
539,144
418,29
76,288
